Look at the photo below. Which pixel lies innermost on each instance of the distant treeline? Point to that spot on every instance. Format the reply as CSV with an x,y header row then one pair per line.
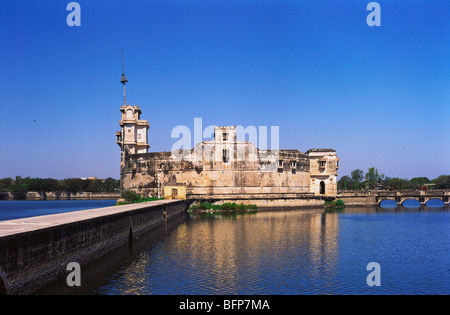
x,y
374,180
20,186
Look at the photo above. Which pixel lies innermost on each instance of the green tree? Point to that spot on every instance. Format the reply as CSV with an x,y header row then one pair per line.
x,y
385,181
62,186
398,183
345,183
19,191
50,184
357,178
373,178
418,182
34,184
5,183
111,184
442,182
20,180
357,175
130,196
95,185
75,185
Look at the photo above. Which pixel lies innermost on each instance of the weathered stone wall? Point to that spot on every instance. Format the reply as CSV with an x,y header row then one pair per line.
x,y
148,173
38,252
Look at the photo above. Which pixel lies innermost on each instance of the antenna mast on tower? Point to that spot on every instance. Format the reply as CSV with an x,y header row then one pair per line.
x,y
123,80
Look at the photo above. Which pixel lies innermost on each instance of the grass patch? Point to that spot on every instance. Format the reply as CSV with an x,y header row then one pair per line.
x,y
147,199
132,197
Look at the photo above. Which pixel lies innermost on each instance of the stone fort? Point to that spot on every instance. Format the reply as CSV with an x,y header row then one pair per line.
x,y
223,168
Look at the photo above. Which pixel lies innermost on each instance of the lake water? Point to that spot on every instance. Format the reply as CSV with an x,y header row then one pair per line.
x,y
305,251
16,209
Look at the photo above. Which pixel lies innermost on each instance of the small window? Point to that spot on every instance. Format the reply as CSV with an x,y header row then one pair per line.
x,y
225,136
226,155
322,164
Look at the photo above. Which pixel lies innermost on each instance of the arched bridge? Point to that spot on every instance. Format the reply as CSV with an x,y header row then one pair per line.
x,y
422,196
375,197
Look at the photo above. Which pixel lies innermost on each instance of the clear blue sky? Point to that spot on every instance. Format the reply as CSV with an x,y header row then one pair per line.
x,y
378,95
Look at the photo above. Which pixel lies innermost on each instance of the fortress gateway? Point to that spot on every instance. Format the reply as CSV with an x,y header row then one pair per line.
x,y
223,169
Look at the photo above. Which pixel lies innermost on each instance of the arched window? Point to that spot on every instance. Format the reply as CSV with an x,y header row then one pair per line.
x,y
129,114
322,187
226,155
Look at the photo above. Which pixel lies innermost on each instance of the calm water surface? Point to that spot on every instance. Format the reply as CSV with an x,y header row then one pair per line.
x,y
16,209
281,252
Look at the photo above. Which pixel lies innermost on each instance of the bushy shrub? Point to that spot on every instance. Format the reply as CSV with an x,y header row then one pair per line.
x,y
227,206
335,204
205,206
339,203
130,196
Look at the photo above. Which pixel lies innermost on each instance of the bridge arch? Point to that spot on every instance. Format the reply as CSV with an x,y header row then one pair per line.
x,y
438,202
387,203
411,202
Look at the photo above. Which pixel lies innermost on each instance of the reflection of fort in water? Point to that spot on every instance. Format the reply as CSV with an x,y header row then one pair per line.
x,y
229,249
